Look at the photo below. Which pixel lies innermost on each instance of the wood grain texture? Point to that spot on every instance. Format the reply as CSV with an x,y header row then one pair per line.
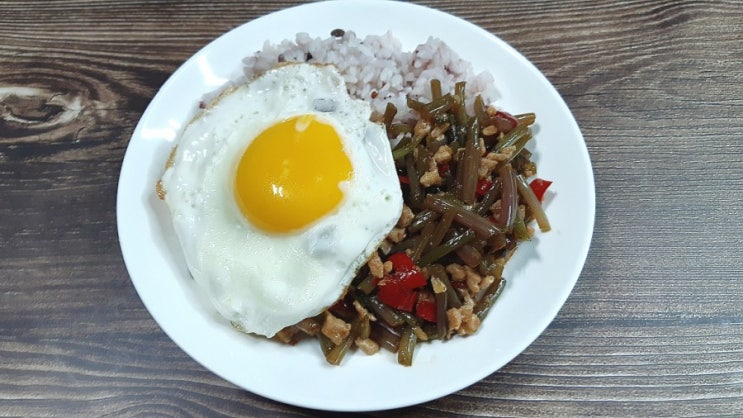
x,y
654,326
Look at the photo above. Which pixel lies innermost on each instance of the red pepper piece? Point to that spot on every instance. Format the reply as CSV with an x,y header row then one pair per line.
x,y
401,261
403,179
459,284
505,121
406,272
539,186
411,279
398,289
393,293
443,169
425,308
483,185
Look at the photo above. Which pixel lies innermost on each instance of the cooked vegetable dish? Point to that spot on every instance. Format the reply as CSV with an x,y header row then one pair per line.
x,y
468,204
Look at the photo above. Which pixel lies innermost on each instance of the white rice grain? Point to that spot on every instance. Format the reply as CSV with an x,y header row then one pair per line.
x,y
376,68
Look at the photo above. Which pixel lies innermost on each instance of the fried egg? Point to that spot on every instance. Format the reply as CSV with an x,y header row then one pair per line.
x,y
278,192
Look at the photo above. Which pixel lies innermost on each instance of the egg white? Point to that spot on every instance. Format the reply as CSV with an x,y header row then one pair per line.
x,y
261,281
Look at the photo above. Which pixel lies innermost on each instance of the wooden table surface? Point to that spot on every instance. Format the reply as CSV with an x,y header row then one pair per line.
x,y
654,326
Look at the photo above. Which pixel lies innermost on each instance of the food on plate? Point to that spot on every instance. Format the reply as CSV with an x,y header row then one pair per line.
x,y
467,207
377,68
386,224
279,191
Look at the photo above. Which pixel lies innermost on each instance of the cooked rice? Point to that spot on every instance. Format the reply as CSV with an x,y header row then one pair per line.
x,y
377,69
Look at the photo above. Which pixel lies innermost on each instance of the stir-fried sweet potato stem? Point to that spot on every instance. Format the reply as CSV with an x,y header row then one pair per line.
x,y
440,271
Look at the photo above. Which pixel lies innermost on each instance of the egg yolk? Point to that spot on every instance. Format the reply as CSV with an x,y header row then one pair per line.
x,y
290,175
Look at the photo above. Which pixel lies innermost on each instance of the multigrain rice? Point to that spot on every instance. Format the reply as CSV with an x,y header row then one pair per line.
x,y
377,69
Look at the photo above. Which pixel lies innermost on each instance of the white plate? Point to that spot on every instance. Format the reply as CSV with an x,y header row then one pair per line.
x,y
540,276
